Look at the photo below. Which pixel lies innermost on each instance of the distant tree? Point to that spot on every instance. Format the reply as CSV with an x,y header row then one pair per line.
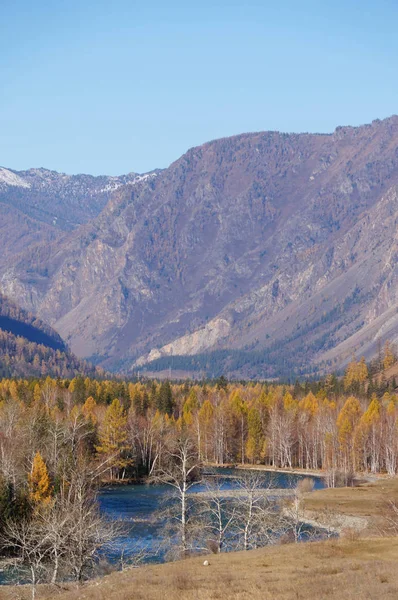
x,y
347,421
388,356
239,408
356,375
165,399
255,438
222,383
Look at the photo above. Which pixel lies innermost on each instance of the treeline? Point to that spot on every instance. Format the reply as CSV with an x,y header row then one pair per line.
x,y
245,364
20,357
338,425
30,348
284,358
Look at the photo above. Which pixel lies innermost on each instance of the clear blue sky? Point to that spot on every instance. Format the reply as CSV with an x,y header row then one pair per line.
x,y
116,86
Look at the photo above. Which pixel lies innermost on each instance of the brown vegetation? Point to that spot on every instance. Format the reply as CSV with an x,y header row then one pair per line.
x,y
368,499
349,570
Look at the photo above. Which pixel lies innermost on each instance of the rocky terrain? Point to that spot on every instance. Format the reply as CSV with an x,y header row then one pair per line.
x,y
252,255
39,205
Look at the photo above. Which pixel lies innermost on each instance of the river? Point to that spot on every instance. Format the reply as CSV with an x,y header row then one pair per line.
x,y
135,506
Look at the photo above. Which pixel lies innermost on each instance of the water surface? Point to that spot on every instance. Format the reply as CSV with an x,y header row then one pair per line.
x,y
136,507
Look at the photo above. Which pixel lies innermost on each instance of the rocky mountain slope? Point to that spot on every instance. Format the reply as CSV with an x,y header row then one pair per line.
x,y
40,205
253,255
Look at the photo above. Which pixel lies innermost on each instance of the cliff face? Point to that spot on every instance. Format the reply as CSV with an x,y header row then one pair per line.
x,y
265,242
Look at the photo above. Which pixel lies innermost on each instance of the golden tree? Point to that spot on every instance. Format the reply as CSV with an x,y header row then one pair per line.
x,y
88,410
39,481
368,443
388,356
239,410
347,421
356,374
113,437
255,438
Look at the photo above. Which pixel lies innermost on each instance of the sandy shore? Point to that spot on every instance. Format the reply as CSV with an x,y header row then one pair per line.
x,y
269,469
268,492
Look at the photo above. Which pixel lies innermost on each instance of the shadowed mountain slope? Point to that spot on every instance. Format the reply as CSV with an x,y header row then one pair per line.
x,y
30,348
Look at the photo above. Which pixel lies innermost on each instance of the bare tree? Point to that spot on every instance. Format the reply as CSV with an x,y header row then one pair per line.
x,y
29,540
256,521
216,514
295,512
62,537
179,469
89,531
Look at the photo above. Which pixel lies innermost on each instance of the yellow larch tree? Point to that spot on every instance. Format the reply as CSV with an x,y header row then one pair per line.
x,y
347,421
388,356
113,437
39,481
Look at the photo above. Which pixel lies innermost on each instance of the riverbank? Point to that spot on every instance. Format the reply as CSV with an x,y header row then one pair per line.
x,y
240,493
286,471
367,502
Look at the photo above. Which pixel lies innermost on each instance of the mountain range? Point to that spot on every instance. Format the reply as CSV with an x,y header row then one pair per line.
x,y
39,205
254,256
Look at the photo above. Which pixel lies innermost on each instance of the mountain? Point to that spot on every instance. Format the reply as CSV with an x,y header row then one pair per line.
x,y
255,255
39,205
30,348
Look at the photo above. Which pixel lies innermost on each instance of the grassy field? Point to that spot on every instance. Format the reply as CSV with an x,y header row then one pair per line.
x,y
368,501
349,568
343,569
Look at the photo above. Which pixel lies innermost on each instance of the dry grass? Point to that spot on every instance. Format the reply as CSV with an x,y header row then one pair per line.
x,y
368,500
351,568
338,569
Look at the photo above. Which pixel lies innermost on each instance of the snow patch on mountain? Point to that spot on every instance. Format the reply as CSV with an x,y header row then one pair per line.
x,y
115,182
9,178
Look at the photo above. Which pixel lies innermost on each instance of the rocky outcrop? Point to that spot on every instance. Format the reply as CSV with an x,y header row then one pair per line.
x,y
202,340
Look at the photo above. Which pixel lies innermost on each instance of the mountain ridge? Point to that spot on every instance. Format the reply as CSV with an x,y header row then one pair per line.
x,y
39,205
240,244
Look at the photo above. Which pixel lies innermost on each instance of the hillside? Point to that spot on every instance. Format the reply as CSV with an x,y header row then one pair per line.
x,y
30,348
335,570
39,205
255,256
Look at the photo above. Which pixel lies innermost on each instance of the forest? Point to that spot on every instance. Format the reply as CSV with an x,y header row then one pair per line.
x,y
60,439
30,348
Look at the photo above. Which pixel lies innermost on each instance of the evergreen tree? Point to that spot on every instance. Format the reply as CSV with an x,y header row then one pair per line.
x,y
165,399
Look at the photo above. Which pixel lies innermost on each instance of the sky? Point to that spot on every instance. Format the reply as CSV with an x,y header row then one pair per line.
x,y
110,87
